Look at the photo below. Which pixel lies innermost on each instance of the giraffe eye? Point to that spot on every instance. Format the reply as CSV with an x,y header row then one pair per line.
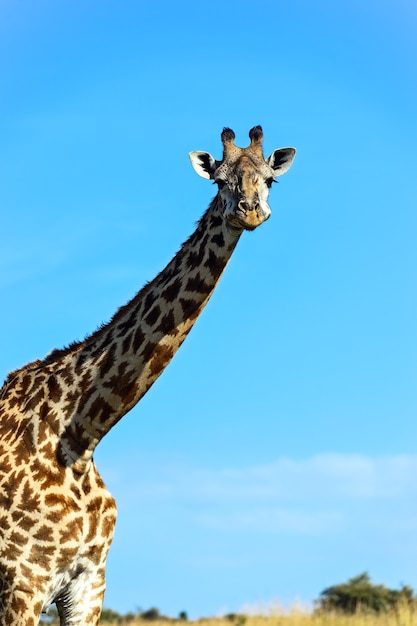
x,y
269,182
221,183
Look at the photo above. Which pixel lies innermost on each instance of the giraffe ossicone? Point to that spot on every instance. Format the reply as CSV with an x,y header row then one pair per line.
x,y
56,516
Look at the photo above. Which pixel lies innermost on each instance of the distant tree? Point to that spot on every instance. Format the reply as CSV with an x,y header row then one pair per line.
x,y
182,615
238,619
108,615
151,614
130,617
360,594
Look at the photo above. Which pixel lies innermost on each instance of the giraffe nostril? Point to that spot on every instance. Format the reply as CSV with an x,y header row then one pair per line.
x,y
243,206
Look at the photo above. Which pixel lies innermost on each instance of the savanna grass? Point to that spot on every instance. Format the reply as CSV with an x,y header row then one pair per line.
x,y
403,616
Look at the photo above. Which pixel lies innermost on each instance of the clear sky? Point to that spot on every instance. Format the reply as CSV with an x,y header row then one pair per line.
x,y
277,454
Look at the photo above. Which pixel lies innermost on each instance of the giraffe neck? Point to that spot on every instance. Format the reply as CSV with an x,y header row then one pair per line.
x,y
84,390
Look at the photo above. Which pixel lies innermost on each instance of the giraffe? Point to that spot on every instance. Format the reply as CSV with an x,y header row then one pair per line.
x,y
56,516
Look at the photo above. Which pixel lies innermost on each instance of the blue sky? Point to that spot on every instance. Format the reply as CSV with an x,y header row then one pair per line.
x,y
277,454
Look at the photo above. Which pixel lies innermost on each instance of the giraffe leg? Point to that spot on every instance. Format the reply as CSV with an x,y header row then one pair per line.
x,y
80,604
19,606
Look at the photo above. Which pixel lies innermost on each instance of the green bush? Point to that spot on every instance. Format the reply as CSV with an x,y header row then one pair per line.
x,y
151,614
237,618
360,594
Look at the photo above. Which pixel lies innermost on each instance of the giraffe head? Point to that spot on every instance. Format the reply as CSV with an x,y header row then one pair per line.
x,y
244,177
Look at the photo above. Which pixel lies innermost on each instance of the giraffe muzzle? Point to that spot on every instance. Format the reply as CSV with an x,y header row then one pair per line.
x,y
249,215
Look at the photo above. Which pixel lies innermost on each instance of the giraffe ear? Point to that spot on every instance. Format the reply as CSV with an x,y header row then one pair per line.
x,y
281,160
203,163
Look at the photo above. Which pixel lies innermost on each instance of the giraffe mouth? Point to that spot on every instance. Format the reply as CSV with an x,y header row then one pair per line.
x,y
247,219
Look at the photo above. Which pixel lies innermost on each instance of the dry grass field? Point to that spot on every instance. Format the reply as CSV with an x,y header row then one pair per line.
x,y
405,616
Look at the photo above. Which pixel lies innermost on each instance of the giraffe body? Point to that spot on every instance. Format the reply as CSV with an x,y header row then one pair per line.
x,y
56,516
